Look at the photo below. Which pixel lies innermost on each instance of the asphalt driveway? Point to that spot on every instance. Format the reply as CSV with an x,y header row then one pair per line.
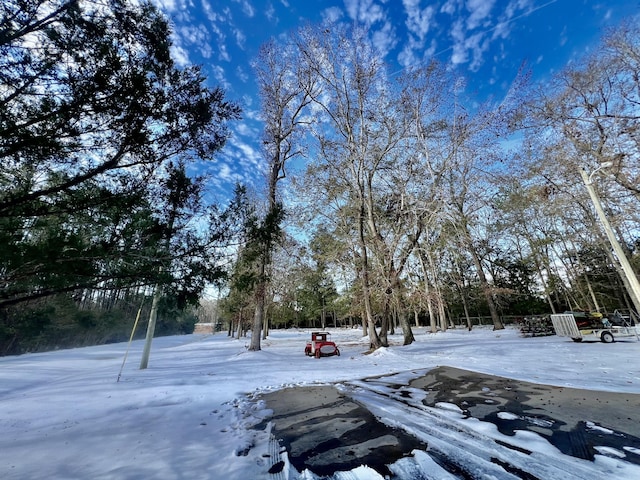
x,y
327,429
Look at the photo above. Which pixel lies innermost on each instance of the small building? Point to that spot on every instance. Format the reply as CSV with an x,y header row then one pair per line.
x,y
203,329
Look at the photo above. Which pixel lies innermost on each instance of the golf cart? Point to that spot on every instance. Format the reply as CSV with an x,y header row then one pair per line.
x,y
321,345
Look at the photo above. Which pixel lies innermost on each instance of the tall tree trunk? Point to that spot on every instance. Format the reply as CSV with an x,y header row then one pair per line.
x,y
284,103
535,255
374,340
259,297
442,311
277,164
433,319
407,332
402,318
466,313
439,297
265,324
486,288
427,291
240,322
384,323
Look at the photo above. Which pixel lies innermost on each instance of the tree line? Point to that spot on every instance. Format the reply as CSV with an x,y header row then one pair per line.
x,y
418,203
98,128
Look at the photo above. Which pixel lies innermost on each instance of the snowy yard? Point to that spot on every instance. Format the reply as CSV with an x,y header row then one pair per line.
x,y
191,414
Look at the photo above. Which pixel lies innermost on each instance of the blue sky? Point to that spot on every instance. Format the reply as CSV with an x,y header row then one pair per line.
x,y
486,40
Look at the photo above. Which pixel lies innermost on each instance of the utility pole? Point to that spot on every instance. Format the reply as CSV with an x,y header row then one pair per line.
x,y
153,315
631,281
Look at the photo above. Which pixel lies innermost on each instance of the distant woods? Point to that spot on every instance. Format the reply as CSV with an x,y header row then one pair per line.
x,y
418,204
391,199
97,130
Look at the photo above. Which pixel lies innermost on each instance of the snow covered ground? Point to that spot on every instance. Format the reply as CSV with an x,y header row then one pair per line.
x,y
64,415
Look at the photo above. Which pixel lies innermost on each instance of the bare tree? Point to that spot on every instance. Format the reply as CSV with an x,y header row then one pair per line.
x,y
284,98
359,137
473,146
426,108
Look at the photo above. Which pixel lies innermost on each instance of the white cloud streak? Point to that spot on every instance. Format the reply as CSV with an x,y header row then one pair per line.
x,y
476,24
246,7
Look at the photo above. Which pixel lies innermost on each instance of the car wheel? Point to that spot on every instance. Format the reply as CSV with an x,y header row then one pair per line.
x,y
607,337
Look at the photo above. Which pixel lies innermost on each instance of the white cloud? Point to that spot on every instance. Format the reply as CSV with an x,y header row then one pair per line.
x,y
472,36
247,8
512,12
352,7
431,50
270,13
247,101
242,74
450,6
563,37
215,18
167,6
210,13
193,34
501,30
409,55
479,11
240,38
364,11
223,54
418,19
516,6
219,75
177,10
463,45
224,172
332,14
459,54
244,129
205,50
385,39
180,55
478,44
406,57
246,155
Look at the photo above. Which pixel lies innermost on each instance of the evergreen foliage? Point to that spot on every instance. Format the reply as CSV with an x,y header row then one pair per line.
x,y
97,124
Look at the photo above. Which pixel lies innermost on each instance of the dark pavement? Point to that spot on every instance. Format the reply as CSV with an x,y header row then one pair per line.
x,y
326,430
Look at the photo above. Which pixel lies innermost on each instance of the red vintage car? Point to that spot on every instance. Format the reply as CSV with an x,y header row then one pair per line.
x,y
321,346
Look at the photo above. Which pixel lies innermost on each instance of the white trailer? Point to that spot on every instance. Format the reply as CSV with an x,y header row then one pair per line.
x,y
565,326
